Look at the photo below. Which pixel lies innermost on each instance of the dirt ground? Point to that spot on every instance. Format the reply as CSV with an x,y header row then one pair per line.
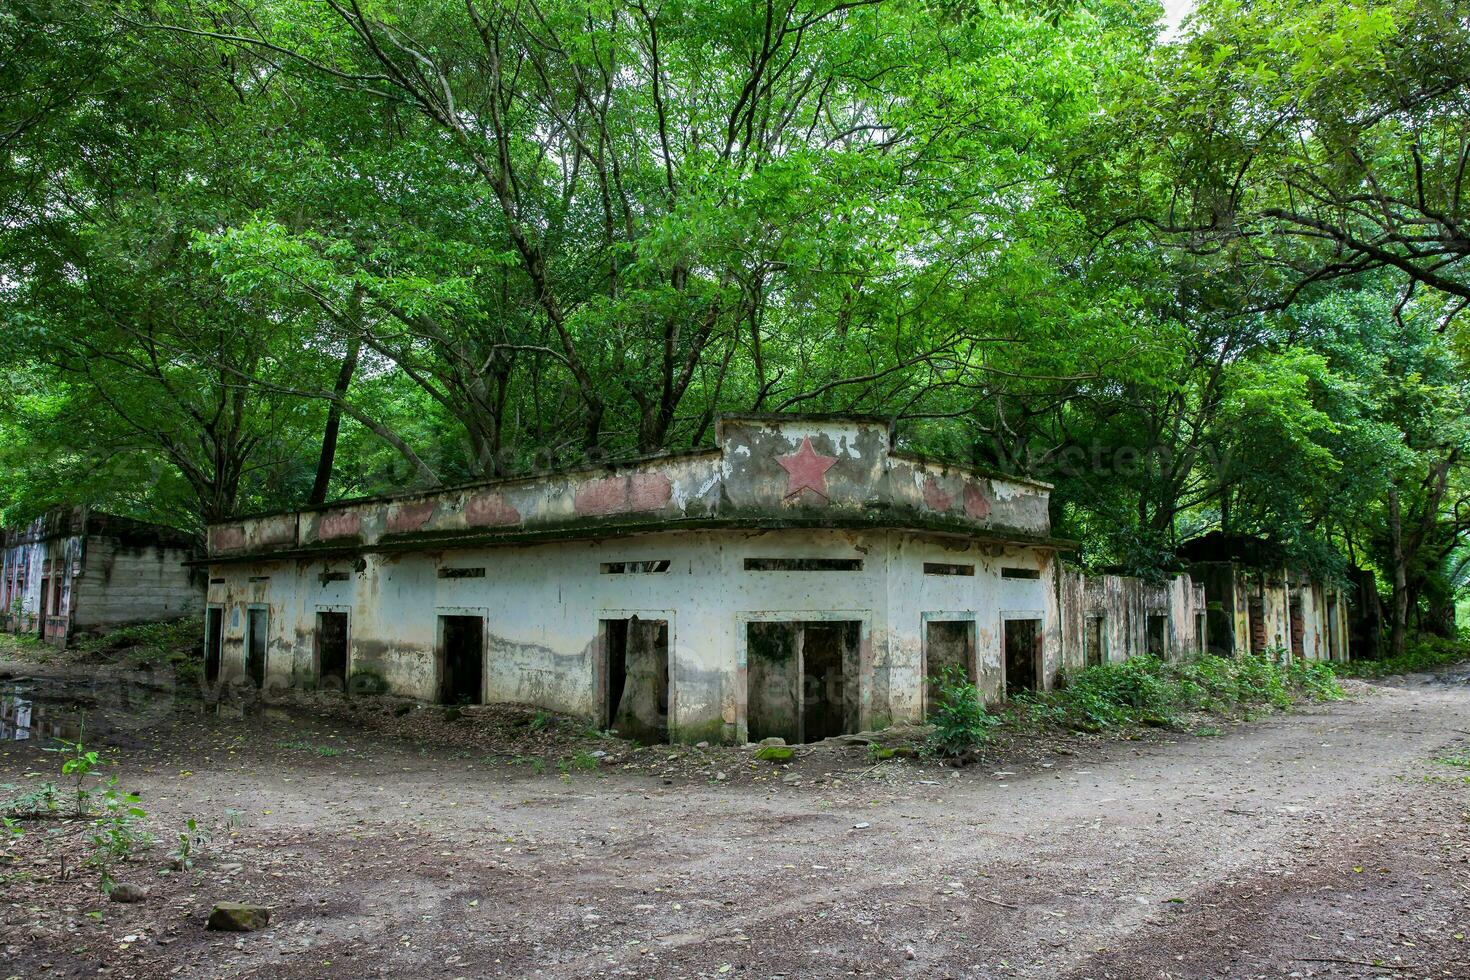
x,y
1327,842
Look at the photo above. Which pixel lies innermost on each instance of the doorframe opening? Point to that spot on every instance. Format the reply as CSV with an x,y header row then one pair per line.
x,y
442,613
214,642
864,619
265,646
1038,651
606,618
972,665
316,644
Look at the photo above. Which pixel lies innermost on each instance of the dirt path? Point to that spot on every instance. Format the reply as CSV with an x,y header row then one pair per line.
x,y
1321,843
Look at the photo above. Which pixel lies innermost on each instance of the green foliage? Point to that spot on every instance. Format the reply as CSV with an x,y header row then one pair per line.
x,y
116,834
1424,653
43,801
78,763
190,840
961,723
1147,690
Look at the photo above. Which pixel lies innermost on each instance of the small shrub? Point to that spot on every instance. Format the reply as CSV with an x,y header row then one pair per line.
x,y
79,762
116,834
191,840
961,722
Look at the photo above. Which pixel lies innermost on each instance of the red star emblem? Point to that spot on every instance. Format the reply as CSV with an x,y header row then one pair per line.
x,y
806,469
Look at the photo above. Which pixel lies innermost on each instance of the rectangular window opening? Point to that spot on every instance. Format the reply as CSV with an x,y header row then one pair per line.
x,y
803,564
945,568
461,573
635,567
1010,571
333,577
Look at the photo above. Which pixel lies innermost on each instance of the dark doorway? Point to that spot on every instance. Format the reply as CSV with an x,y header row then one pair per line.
x,y
949,645
1023,654
1333,643
461,659
214,624
257,630
1092,641
1257,616
1298,628
331,651
41,607
1158,636
772,681
825,650
801,679
636,704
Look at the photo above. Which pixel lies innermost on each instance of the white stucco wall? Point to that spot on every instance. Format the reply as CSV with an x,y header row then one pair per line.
x,y
542,605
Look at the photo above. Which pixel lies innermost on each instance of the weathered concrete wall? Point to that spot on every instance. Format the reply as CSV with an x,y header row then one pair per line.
x,y
543,603
112,571
122,583
789,471
1125,605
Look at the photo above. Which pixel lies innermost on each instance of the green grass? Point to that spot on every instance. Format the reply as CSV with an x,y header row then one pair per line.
x,y
298,745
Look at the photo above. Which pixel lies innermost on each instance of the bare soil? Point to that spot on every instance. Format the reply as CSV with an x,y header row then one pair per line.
x,y
1325,842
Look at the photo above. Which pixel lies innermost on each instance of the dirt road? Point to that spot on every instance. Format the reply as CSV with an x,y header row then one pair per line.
x,y
1327,842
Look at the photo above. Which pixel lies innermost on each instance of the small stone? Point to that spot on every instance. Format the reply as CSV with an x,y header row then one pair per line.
x,y
701,745
775,753
238,917
128,892
773,740
908,952
720,777
792,779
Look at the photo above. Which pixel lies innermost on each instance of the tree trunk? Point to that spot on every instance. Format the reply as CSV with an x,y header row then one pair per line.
x,y
1399,608
328,456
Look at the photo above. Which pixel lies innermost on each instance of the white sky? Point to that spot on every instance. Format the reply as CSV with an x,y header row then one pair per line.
x,y
1174,12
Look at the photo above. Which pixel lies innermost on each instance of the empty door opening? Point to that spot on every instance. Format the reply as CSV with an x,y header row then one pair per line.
x,y
801,679
1093,641
257,629
1023,655
41,606
1257,616
214,623
949,648
1158,635
461,659
331,651
1333,653
636,672
1298,628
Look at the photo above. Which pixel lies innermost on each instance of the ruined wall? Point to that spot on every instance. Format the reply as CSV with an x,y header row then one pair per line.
x,y
765,471
542,605
122,583
1126,605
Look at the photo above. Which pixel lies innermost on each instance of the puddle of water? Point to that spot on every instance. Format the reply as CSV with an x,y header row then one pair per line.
x,y
23,718
40,710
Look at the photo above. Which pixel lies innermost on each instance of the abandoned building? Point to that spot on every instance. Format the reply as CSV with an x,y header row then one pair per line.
x,y
75,570
802,579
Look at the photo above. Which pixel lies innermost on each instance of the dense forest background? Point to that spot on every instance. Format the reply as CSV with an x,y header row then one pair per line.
x,y
259,253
